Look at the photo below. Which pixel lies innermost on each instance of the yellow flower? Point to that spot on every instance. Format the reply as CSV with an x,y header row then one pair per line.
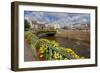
x,y
46,50
76,56
42,51
60,56
82,57
57,55
65,58
68,49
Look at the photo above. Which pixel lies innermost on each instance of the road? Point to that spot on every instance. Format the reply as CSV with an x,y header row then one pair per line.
x,y
28,56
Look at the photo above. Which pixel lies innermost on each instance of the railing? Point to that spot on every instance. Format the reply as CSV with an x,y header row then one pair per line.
x,y
51,53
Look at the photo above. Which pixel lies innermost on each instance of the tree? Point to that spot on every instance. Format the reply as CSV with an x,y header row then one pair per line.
x,y
26,25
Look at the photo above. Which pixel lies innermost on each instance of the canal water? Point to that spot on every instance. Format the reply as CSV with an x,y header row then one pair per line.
x,y
80,47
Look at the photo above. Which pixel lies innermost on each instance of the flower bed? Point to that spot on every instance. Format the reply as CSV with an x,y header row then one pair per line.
x,y
57,53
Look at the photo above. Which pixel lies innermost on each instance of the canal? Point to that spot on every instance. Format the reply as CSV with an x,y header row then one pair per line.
x,y
82,48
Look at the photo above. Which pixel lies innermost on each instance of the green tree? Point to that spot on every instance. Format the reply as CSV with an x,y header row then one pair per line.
x,y
26,25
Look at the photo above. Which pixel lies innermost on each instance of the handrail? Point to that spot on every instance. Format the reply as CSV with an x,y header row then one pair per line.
x,y
62,53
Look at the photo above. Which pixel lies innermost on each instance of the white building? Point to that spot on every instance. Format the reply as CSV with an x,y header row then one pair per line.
x,y
56,26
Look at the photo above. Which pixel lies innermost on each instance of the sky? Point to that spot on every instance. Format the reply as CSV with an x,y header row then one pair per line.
x,y
61,18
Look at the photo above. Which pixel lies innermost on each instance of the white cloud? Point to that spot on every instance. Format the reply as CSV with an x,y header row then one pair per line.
x,y
59,18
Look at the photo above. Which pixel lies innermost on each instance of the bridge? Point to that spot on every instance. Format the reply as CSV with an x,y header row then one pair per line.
x,y
41,33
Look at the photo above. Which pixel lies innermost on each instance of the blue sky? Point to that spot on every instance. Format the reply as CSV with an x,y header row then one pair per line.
x,y
64,19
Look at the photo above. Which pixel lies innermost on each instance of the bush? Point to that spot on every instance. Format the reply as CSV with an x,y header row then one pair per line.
x,y
26,25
